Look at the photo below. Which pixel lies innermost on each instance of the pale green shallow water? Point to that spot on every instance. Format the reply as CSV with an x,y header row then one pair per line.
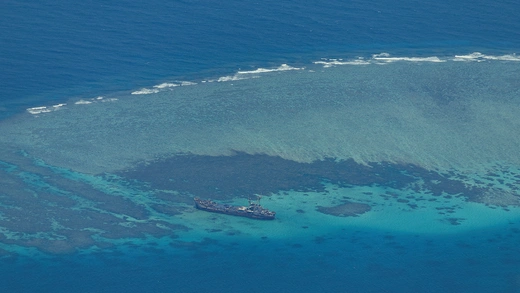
x,y
460,119
436,115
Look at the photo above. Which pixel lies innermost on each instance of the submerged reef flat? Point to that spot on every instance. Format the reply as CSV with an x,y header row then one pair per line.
x,y
56,210
436,115
366,145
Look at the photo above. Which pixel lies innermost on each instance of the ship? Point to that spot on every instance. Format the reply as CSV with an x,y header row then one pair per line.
x,y
253,211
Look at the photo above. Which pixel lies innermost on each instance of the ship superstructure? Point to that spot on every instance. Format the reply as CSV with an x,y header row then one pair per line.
x,y
254,210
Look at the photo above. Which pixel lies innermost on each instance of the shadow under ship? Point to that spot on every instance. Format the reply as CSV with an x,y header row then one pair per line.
x,y
253,211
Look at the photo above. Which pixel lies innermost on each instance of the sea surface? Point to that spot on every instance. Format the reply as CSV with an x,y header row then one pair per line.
x,y
384,135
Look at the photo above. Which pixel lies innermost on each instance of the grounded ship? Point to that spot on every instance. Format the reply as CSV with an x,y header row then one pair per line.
x,y
253,211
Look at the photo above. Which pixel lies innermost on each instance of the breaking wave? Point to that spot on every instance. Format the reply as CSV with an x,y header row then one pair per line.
x,y
462,118
384,58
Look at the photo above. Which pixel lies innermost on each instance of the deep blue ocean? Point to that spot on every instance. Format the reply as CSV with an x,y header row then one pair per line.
x,y
64,188
54,50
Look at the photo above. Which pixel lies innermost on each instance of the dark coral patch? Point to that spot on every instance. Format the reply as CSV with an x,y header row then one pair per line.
x,y
36,199
347,209
243,175
168,209
60,214
454,221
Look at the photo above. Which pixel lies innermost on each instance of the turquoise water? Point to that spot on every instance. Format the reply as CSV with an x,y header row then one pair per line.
x,y
378,168
386,143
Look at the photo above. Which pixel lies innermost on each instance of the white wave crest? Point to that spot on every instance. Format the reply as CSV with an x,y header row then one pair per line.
x,y
232,78
381,58
145,91
334,62
240,75
95,100
166,85
109,100
161,87
476,56
479,57
45,109
82,102
385,57
283,67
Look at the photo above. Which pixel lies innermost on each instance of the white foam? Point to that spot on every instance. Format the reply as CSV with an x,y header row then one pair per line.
x,y
185,83
508,57
385,57
381,58
240,75
45,109
232,78
82,102
38,110
145,91
367,115
479,57
334,62
166,85
161,87
283,67
95,100
476,56
109,100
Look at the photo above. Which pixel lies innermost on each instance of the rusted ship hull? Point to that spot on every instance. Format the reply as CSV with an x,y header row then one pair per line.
x,y
253,211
